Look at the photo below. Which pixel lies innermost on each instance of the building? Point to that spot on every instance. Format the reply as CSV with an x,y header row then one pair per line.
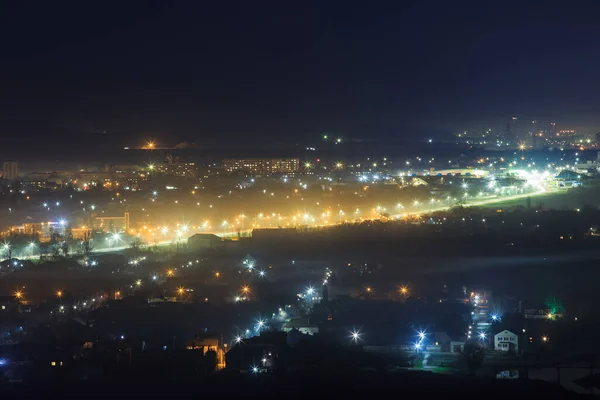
x,y
10,171
261,165
302,324
506,341
182,170
204,241
110,224
207,342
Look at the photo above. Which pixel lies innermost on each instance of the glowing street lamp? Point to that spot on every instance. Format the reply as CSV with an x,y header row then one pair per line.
x,y
355,336
180,291
138,283
59,294
403,290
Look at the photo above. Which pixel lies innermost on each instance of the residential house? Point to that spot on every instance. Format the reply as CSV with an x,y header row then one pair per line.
x,y
506,341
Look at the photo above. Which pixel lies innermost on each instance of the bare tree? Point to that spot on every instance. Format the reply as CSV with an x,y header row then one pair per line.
x,y
64,248
87,246
136,244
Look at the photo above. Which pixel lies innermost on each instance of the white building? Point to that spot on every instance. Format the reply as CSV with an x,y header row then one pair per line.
x,y
506,341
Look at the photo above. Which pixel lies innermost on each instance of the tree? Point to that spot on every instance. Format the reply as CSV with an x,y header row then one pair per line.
x,y
87,246
65,249
472,356
56,250
136,244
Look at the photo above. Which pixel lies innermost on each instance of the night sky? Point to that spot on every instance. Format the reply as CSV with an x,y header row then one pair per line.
x,y
286,71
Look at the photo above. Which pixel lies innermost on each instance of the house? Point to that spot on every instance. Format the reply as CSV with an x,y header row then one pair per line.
x,y
302,324
506,341
204,241
208,342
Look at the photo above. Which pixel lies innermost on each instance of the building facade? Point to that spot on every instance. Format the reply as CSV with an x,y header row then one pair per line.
x,y
506,341
262,165
10,171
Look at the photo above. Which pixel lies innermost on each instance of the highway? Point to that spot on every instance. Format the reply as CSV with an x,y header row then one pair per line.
x,y
489,200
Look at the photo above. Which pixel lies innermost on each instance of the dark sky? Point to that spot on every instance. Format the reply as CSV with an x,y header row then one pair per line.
x,y
273,71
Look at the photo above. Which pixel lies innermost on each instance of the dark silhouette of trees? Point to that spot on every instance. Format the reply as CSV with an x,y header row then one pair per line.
x,y
65,248
87,245
472,355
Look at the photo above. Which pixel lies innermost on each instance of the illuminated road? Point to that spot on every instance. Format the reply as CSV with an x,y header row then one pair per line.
x,y
487,201
473,203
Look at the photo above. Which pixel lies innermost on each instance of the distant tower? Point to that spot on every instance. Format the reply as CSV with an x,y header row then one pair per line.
x,y
553,128
534,129
11,171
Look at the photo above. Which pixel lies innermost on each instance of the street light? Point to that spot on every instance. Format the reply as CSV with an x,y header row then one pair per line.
x,y
355,336
403,290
